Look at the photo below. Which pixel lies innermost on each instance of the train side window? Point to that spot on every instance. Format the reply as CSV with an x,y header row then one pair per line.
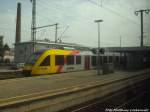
x,y
101,60
46,61
94,61
105,59
70,60
110,59
117,59
78,59
59,60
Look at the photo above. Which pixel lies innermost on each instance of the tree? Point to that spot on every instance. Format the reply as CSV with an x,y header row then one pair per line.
x,y
6,47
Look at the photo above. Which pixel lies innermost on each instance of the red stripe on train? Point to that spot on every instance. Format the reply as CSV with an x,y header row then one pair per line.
x,y
75,52
60,68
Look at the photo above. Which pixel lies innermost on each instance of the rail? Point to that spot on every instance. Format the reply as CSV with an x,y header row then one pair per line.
x,y
9,74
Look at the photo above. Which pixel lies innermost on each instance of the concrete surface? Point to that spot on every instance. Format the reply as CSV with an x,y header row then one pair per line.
x,y
62,90
24,86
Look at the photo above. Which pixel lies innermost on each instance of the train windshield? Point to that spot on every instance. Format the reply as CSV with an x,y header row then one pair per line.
x,y
33,58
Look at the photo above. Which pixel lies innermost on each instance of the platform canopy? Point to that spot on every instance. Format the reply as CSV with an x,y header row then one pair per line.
x,y
128,49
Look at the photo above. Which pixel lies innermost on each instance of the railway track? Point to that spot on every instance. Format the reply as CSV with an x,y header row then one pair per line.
x,y
135,97
108,106
11,74
137,101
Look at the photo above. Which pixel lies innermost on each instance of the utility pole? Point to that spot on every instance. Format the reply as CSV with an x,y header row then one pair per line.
x,y
120,41
141,12
33,27
120,49
100,3
98,54
56,32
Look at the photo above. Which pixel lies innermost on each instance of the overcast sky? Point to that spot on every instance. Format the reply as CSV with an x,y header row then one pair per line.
x,y
76,21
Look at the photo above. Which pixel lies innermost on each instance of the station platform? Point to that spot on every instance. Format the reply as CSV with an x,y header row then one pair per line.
x,y
15,91
25,86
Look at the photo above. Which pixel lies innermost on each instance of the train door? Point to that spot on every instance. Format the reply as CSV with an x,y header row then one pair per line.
x,y
87,62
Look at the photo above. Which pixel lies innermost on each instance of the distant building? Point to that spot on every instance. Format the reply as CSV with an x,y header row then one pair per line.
x,y
1,46
23,50
8,56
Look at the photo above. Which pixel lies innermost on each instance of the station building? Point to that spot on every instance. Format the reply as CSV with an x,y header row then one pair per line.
x,y
130,58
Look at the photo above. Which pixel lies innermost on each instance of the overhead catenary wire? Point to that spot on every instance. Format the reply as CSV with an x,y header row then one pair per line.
x,y
46,7
78,18
59,9
114,12
60,37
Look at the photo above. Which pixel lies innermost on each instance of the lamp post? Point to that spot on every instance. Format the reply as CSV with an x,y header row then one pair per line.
x,y
98,54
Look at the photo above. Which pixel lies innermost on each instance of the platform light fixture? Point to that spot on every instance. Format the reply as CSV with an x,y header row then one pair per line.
x,y
98,53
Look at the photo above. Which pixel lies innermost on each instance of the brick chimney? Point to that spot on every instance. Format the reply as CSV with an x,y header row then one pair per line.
x,y
18,24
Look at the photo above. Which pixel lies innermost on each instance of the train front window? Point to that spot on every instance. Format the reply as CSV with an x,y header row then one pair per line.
x,y
46,61
33,58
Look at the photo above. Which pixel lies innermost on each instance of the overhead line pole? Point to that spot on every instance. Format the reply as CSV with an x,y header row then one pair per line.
x,y
33,26
120,41
33,35
141,12
56,33
98,51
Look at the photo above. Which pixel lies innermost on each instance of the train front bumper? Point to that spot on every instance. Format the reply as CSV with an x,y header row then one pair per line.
x,y
27,73
27,70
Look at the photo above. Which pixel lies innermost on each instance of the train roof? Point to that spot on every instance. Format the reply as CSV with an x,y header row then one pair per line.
x,y
64,52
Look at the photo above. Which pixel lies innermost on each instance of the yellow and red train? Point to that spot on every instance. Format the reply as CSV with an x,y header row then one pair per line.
x,y
56,61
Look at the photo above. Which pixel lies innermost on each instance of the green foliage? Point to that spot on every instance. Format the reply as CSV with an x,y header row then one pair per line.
x,y
6,47
3,49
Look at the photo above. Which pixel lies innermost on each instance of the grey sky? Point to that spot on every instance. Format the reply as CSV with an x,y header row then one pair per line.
x,y
78,16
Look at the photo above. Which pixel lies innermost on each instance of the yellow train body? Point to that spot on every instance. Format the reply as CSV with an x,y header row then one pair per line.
x,y
36,68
